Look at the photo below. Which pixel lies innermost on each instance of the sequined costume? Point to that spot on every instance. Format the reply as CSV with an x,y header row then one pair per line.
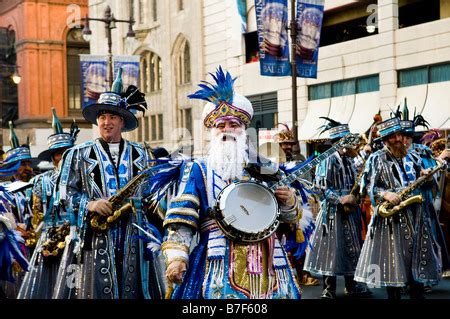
x,y
110,265
218,267
337,240
399,249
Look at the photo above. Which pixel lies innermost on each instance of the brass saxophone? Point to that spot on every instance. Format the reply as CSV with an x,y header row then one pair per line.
x,y
56,240
102,223
386,209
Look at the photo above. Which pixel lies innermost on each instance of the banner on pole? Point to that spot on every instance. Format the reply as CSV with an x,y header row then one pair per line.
x,y
94,70
130,69
309,24
93,77
271,20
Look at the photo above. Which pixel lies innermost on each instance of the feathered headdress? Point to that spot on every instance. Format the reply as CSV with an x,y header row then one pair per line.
x,y
335,128
431,136
118,102
223,102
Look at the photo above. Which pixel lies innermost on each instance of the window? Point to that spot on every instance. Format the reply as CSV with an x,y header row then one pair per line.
x,y
160,127
251,47
423,75
142,11
151,69
75,46
408,12
265,108
345,87
182,59
139,130
154,128
155,10
180,5
146,129
346,23
413,77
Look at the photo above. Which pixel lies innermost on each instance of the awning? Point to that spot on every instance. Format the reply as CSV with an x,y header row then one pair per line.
x,y
310,127
432,101
366,106
355,110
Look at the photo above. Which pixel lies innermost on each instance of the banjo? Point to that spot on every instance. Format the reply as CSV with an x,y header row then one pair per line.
x,y
249,212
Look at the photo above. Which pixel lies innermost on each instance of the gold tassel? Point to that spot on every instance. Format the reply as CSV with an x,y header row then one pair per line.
x,y
299,237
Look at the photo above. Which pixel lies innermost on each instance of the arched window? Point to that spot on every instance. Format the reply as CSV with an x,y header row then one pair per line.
x,y
183,63
151,77
76,45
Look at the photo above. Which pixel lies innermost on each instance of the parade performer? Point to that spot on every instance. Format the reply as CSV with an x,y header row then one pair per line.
x,y
54,223
337,240
399,248
110,256
219,267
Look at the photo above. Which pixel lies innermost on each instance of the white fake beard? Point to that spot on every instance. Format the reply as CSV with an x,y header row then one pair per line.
x,y
227,157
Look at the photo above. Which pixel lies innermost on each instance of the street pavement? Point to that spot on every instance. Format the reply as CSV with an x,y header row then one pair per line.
x,y
441,291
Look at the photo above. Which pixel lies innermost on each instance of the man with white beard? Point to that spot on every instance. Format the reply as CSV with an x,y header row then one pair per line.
x,y
219,267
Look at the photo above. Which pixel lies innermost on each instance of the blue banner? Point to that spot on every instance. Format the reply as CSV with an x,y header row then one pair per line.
x,y
309,25
271,20
130,69
93,77
94,70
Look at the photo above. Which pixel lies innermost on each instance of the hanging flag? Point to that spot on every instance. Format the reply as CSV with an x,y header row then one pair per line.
x,y
93,77
271,20
130,69
309,24
242,10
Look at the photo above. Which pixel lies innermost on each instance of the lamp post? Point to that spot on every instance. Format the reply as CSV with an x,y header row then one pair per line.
x,y
110,23
293,29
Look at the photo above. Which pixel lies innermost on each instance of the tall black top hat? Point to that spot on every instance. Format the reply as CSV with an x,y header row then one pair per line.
x,y
117,102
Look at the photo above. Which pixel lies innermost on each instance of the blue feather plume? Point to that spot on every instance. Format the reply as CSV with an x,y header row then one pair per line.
x,y
162,175
221,91
10,251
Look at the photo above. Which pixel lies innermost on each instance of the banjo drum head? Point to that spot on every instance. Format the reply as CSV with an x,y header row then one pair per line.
x,y
248,207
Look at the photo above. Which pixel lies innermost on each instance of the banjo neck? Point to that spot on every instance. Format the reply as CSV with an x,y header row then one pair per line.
x,y
346,141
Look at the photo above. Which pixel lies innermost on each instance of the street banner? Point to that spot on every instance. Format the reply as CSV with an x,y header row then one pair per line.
x,y
242,10
130,69
309,24
94,70
93,77
271,21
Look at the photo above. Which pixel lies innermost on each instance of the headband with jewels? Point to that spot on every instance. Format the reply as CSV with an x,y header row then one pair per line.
x,y
17,152
285,135
119,103
223,102
59,140
335,129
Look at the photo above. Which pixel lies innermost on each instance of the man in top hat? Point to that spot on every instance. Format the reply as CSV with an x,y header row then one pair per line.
x,y
39,281
337,240
399,248
112,259
220,267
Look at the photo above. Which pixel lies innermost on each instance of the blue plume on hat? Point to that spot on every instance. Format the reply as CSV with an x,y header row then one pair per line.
x,y
221,91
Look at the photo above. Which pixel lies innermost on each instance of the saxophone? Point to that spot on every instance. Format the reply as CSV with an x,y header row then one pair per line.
x,y
56,240
386,209
102,223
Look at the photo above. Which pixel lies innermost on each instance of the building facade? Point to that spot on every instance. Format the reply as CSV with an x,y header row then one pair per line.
x,y
47,43
361,70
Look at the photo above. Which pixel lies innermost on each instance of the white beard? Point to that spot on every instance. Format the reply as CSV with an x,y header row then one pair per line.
x,y
227,158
